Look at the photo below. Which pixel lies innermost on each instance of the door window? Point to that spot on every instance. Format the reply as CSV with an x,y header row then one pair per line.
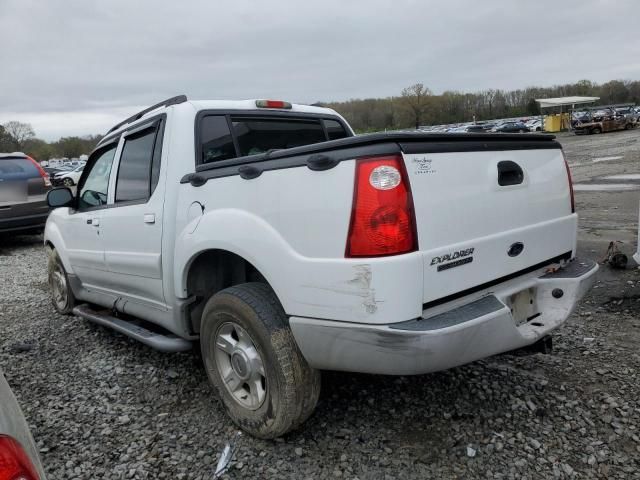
x,y
93,192
134,173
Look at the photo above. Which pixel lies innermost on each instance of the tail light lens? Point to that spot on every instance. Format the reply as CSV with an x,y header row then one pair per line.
x,y
43,174
573,201
382,216
14,461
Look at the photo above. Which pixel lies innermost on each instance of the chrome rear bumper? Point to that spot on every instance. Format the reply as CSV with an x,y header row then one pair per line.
x,y
452,334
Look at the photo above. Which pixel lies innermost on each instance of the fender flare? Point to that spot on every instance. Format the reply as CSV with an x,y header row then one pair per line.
x,y
238,232
53,238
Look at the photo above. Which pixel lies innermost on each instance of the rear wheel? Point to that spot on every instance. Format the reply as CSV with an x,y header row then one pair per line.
x,y
252,360
596,130
521,131
628,126
61,294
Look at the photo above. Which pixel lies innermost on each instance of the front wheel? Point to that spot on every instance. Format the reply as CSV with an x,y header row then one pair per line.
x,y
252,360
67,182
61,294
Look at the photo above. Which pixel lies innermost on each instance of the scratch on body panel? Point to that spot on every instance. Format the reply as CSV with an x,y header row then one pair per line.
x,y
359,285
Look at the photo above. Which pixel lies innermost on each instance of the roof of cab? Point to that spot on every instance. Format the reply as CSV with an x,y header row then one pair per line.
x,y
212,105
251,105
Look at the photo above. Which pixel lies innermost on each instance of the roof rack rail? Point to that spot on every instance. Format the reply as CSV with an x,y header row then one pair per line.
x,y
165,103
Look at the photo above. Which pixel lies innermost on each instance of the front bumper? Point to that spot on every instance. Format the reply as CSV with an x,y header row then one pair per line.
x,y
451,334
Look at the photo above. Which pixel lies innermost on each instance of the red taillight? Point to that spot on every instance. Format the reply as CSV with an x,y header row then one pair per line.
x,y
273,104
14,461
382,217
43,174
573,201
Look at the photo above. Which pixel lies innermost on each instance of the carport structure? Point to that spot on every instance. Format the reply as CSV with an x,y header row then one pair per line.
x,y
568,103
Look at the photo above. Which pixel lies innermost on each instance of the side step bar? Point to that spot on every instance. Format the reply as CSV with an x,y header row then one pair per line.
x,y
164,343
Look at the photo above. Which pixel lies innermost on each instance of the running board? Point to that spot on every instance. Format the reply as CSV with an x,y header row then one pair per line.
x,y
158,341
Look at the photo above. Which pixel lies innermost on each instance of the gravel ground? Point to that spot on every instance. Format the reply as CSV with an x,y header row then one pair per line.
x,y
103,406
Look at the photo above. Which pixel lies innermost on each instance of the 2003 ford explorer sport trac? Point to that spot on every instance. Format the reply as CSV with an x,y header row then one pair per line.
x,y
286,245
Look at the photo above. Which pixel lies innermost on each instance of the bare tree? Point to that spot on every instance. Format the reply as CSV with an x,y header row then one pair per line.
x,y
416,98
19,132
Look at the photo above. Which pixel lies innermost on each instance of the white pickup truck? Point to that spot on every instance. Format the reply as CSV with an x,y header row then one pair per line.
x,y
286,245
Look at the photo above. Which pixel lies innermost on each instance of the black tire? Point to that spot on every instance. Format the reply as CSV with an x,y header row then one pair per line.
x,y
521,131
596,130
62,296
628,126
67,182
292,387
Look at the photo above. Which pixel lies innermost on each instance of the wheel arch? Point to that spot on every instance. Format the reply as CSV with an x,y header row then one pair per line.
x,y
211,270
53,241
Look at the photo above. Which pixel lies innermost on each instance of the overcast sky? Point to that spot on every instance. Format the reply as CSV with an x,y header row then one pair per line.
x,y
75,67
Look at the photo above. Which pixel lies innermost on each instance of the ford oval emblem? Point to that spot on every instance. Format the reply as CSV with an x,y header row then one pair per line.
x,y
515,249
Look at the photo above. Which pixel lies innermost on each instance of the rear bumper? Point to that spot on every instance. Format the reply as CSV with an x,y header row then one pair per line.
x,y
449,335
25,222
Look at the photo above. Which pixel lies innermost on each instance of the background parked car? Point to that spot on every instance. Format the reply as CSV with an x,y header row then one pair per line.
x,y
534,125
53,170
23,190
511,127
19,458
68,178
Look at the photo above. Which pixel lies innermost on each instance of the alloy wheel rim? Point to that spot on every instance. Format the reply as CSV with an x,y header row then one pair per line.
x,y
240,366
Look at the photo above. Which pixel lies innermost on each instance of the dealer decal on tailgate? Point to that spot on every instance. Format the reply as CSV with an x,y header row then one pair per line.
x,y
454,259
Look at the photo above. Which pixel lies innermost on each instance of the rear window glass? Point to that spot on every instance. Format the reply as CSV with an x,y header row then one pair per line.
x,y
259,135
215,136
17,169
334,129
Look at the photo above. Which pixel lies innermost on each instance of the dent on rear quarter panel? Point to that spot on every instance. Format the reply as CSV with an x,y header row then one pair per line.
x,y
358,286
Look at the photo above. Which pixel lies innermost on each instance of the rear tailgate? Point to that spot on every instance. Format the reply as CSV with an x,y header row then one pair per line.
x,y
487,209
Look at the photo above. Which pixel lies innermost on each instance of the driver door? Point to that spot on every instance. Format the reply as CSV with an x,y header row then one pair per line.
x,y
82,230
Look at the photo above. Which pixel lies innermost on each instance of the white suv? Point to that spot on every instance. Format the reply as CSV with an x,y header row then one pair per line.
x,y
287,245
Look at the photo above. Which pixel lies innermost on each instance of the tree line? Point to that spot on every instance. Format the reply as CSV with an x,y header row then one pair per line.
x,y
20,137
417,105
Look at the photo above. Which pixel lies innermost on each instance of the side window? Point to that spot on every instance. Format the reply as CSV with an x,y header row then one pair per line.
x,y
134,173
334,129
215,138
93,192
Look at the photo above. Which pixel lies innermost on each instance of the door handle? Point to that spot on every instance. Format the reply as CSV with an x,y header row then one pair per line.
x,y
93,221
149,218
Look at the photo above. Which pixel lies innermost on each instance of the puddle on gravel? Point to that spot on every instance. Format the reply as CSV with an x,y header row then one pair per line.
x,y
605,187
606,159
623,176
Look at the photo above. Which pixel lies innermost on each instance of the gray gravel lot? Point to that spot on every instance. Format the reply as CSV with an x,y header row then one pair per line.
x,y
103,406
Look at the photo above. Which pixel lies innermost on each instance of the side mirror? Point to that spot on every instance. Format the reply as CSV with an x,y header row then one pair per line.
x,y
59,197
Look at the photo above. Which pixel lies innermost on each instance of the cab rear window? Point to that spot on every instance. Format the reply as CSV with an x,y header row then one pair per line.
x,y
256,135
224,137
